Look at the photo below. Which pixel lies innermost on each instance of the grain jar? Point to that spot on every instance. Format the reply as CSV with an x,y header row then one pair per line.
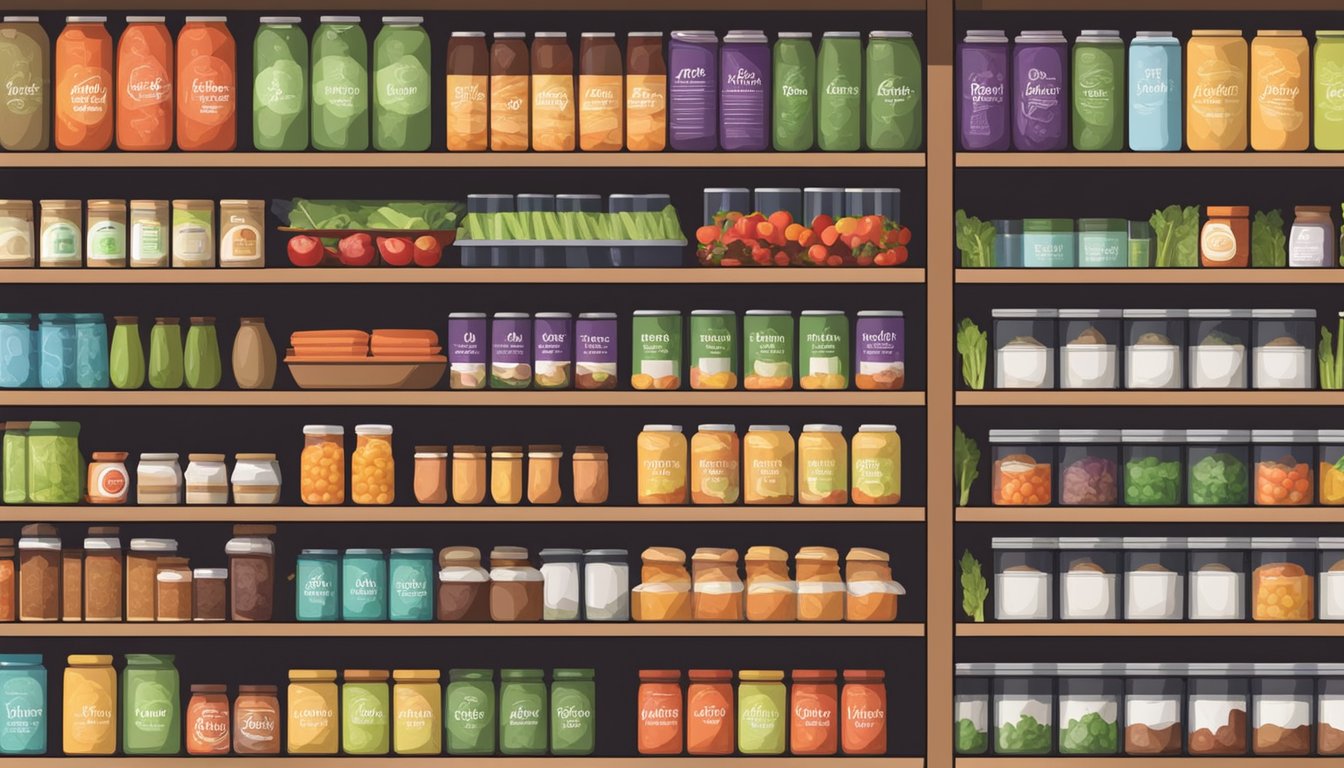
x,y
516,588
252,565
464,593
870,592
469,474
255,479
173,600
210,587
39,573
372,469
158,479
256,720
207,479
102,574
543,474
141,576
8,581
431,474
72,584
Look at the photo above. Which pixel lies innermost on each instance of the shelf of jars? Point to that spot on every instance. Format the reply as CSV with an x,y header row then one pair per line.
x,y
1149,398
1155,629
1164,276
1150,160
1266,514
490,5
491,761
1175,6
96,398
154,160
1146,762
399,629
625,276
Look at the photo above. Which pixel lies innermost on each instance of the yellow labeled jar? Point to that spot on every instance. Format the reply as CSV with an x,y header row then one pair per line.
x,y
876,465
372,470
89,712
506,474
661,453
314,722
715,464
416,720
823,465
768,453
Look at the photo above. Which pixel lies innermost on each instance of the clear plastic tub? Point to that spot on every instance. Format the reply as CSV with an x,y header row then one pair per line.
x,y
1024,707
1022,466
1024,571
1089,569
1089,355
970,702
1217,578
1219,339
1219,702
1281,699
1089,708
1024,348
1154,348
1154,694
1154,578
1285,349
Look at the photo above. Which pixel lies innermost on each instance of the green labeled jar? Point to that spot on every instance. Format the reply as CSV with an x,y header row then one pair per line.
x,y
1103,243
713,349
656,358
823,349
365,722
573,712
522,712
795,92
152,707
469,712
768,337
761,712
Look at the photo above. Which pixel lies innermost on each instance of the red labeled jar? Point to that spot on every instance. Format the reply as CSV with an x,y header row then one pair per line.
x,y
709,712
863,702
813,723
661,712
208,720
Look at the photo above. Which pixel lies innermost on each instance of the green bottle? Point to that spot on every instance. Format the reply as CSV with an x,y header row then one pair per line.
x,y
280,85
840,92
1328,79
469,712
151,703
201,364
365,719
795,92
522,712
127,363
401,85
340,85
165,354
1099,91
894,96
761,712
573,712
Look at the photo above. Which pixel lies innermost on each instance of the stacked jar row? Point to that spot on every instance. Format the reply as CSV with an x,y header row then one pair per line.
x,y
1163,348
1167,467
1200,710
1169,579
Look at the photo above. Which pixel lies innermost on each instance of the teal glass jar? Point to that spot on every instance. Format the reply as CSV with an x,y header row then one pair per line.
x,y
151,705
469,712
412,577
523,714
364,585
317,586
23,691
573,712
1007,243
91,351
1048,243
1103,243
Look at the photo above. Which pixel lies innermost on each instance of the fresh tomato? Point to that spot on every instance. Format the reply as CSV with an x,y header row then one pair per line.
x,y
830,235
781,219
396,251
820,222
428,251
305,251
707,234
356,250
817,253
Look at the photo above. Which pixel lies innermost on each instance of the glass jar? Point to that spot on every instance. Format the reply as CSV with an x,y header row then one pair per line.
x,y
252,564
103,574
870,592
1218,461
127,358
715,464
1311,242
142,567
242,239
510,350
1330,451
207,727
39,573
506,473
664,591
1153,467
592,478
317,581
522,702
1281,699
561,573
366,712
970,705
661,712
8,581
573,712
1089,461
108,482
1023,575
709,713
1330,709
543,474
1330,578
322,465
91,352
1154,578
517,590
209,594
875,465
314,721
173,594
821,588
14,472
1154,348
1285,349
606,585
1024,706
1088,351
768,464
823,465
1103,243
19,246
1024,348
469,484
158,479
193,234
364,585
411,584
72,584
717,590
1218,697
1049,243
1225,239
1088,569
255,478
62,245
431,474
256,720
1089,707
1283,473
165,353
57,355
762,712
1154,694
149,233
813,726
1022,460
464,593
207,479
106,234
372,467
1218,342
201,364
19,347
771,595
768,349
1283,579
1217,578
661,456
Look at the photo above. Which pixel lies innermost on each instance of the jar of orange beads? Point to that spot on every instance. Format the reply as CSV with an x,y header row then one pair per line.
x,y
371,466
1022,459
322,466
1283,471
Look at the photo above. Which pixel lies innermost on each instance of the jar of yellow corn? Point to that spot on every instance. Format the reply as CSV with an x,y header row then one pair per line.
x,y
322,466
371,467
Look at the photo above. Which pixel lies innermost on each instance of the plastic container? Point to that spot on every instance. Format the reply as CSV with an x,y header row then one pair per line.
x,y
1024,571
1154,348
1219,339
1154,578
1089,708
1217,578
1154,694
1219,702
1089,343
1024,706
1285,349
1283,579
1089,583
1024,348
1281,709
1218,463
1153,467
1089,467
1283,466
970,704
1021,469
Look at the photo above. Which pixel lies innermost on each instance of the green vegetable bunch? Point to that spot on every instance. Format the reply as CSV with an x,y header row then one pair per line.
x,y
572,225
974,589
1330,357
973,346
971,740
1027,736
1150,481
1089,735
975,240
1219,479
1268,243
1177,232
966,455
399,215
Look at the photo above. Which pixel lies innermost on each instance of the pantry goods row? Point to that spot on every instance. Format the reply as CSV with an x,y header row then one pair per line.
x,y
505,98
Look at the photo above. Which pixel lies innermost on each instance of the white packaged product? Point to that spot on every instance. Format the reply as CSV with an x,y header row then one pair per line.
x,y
1218,357
563,589
1154,578
606,585
1024,348
1089,360
1330,578
1284,355
158,479
1023,575
1217,578
1153,357
207,479
1087,578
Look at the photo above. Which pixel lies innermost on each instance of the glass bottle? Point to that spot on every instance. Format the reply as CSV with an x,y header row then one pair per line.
x,y
128,354
165,353
254,360
201,362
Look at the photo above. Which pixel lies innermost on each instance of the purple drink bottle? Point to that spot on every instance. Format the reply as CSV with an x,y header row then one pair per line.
x,y
693,91
1040,79
744,91
982,61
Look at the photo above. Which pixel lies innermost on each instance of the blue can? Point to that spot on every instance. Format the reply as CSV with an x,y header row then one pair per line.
x,y
412,578
56,339
91,364
18,351
1155,93
23,693
364,582
317,586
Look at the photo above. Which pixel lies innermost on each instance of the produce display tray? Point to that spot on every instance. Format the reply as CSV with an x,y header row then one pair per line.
x,y
581,254
368,373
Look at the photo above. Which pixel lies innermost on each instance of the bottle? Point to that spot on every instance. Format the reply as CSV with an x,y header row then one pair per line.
x,y
573,712
200,361
84,85
207,104
982,60
1216,63
894,88
600,88
645,93
1040,108
144,106
744,81
1155,93
25,69
1098,95
128,355
522,712
1280,91
280,85
401,85
340,92
1328,96
795,92
509,93
468,92
840,92
254,360
165,354
23,727
470,710
693,91
552,93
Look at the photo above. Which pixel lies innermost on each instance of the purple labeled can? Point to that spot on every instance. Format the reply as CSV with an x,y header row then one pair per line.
x,y
879,350
595,351
693,91
982,61
744,91
1040,73
468,350
511,350
553,345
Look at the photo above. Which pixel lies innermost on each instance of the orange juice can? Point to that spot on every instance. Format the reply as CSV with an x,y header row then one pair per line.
x,y
1215,103
84,85
145,85
1280,91
207,84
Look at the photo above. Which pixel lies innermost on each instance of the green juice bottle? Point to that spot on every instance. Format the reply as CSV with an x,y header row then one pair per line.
x,y
761,712
469,712
151,705
1328,84
573,712
893,93
522,712
365,707
401,85
1099,91
340,92
280,85
795,92
840,92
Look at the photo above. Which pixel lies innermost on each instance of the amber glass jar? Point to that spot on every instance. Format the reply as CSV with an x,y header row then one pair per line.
x,y
209,594
543,474
208,720
142,567
8,581
322,465
39,573
256,720
431,474
72,585
173,598
592,478
468,474
771,594
102,574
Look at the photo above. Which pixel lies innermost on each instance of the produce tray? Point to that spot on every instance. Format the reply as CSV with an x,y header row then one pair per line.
x,y
367,373
444,236
527,254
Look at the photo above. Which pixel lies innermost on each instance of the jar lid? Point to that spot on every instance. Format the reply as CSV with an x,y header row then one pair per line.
x,y
521,674
560,555
99,543
715,428
881,313
1024,314
323,429
1155,314
249,546
1219,314
822,428
463,573
413,551
319,675
403,21
769,312
1024,542
382,430
110,456
254,529
759,554
209,688
1282,542
814,675
760,675
665,675
39,529
432,448
1217,435
818,553
264,690
40,543
459,555
1282,436
662,428
657,313
700,675
600,315
471,674
867,554
214,458
768,428
605,555
864,675
552,315
1152,435
466,315
89,660
1330,542
173,457
1154,542
166,575
254,457
663,555
415,675
714,555
1330,435
153,545
977,669
363,552
1218,542
1090,542
1089,435
1228,211
511,316
338,19
1020,435
1089,314
319,552
280,20
544,452
508,553
365,675
573,674
210,573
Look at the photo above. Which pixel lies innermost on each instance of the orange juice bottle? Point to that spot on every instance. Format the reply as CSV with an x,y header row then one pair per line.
x,y
1280,91
1215,104
600,93
552,93
84,85
207,102
145,86
645,92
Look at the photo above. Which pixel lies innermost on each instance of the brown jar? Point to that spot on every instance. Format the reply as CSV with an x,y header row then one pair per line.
x,y
591,476
142,567
468,91
431,474
716,591
516,588
173,599
253,355
509,93
870,592
256,720
469,474
645,93
8,581
39,573
771,594
552,93
103,573
543,474
464,586
601,94
252,564
72,585
821,591
664,589
210,591
208,720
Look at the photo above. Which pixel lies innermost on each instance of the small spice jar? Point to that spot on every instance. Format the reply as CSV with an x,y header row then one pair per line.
x,y
142,568
173,600
158,479
193,233
543,474
469,474
102,574
322,465
464,594
8,580
506,474
256,720
255,478
591,475
431,474
372,469
208,720
1225,240
39,573
252,563
207,479
108,481
209,594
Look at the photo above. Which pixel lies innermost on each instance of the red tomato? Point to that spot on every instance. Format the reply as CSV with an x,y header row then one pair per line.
x,y
305,251
821,221
396,251
356,250
428,251
781,220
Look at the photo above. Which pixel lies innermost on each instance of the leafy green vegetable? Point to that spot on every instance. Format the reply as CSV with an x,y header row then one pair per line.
x,y
1221,480
1151,481
572,225
1330,357
973,346
1090,734
974,590
1028,736
966,454
971,740
1268,243
399,215
975,240
1177,233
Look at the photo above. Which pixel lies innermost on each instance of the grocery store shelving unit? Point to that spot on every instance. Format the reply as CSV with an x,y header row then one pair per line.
x,y
1150,515
346,761
464,160
1149,160
493,398
1195,276
1151,762
488,276
1152,629
456,629
1149,398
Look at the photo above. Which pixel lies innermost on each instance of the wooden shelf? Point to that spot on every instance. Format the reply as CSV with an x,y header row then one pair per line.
x,y
387,275
346,761
1165,276
399,629
381,160
1149,514
1150,159
1151,397
1054,629
485,5
131,513
1175,6
43,398
1147,762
